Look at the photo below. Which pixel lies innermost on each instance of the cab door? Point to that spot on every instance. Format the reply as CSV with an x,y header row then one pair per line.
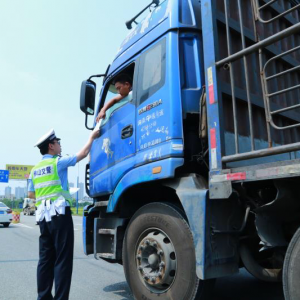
x,y
112,154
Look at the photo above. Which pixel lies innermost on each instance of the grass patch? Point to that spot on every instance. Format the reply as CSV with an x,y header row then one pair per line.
x,y
80,211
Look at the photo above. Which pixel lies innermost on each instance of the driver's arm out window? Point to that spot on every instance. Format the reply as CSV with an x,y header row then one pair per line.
x,y
112,93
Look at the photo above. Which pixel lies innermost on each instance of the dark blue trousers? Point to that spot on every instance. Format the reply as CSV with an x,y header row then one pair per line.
x,y
56,257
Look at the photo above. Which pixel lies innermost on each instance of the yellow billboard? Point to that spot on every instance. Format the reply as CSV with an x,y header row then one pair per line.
x,y
20,172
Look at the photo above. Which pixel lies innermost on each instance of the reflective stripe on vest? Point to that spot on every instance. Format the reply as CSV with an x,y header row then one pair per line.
x,y
46,181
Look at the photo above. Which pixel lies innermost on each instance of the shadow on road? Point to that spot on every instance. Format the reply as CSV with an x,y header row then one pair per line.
x,y
121,289
237,288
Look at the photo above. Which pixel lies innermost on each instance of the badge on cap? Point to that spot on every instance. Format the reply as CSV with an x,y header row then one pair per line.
x,y
49,136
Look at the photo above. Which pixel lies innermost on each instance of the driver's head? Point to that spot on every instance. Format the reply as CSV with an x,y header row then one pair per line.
x,y
123,84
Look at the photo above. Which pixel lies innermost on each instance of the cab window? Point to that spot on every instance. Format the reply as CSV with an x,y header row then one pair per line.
x,y
113,91
152,70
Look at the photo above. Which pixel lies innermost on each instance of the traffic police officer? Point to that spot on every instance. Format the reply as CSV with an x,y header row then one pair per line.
x,y
48,184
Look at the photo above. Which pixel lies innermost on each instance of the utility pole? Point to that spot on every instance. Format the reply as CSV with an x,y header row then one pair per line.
x,y
77,190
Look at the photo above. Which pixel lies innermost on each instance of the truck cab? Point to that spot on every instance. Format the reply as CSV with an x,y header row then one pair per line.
x,y
149,127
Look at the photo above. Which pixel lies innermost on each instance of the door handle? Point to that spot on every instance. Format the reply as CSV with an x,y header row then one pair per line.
x,y
127,132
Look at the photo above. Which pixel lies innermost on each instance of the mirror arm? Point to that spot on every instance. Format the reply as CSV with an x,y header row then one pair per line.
x,y
86,116
99,75
86,124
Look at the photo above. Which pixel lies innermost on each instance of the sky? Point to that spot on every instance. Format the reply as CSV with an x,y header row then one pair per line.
x,y
47,48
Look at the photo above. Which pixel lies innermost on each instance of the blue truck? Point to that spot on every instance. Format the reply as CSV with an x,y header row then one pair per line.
x,y
196,174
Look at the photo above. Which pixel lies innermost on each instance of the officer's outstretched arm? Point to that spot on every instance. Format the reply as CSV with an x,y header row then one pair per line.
x,y
86,149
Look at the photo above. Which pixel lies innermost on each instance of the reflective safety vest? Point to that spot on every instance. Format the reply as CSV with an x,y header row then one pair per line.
x,y
47,183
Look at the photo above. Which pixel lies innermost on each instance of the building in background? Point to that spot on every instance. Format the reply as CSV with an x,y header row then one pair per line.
x,y
81,191
7,192
11,197
20,192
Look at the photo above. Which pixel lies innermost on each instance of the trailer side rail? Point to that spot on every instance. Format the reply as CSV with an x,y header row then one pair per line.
x,y
272,44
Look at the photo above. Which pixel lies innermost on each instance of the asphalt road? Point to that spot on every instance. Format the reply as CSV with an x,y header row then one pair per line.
x,y
95,279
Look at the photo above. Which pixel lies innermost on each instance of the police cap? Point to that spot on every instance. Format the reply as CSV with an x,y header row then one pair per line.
x,y
46,138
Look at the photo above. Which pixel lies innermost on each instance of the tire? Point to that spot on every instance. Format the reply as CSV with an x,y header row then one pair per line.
x,y
291,269
159,256
6,225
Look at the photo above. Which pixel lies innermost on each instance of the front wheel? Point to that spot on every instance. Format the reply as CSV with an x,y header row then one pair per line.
x,y
291,269
159,256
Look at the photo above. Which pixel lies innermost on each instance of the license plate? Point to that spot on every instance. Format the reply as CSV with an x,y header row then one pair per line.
x,y
1,212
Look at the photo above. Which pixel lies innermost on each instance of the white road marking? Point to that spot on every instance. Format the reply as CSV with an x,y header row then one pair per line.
x,y
23,225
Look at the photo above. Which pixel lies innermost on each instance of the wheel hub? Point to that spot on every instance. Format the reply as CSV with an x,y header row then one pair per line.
x,y
156,261
153,261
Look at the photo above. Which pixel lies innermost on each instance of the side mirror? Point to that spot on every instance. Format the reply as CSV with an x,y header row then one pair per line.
x,y
87,97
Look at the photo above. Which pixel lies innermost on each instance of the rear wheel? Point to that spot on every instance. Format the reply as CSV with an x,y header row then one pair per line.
x,y
159,256
291,269
6,224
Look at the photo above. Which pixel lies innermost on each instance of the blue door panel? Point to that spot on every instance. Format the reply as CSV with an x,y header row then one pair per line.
x,y
99,160
110,149
120,119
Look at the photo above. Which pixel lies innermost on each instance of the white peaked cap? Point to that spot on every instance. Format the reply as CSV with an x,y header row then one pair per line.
x,y
49,136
